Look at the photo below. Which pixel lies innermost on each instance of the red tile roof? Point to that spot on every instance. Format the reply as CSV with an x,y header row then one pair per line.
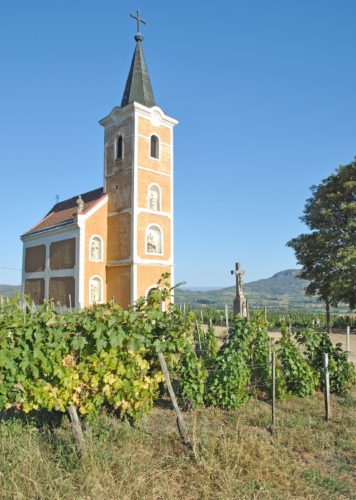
x,y
65,211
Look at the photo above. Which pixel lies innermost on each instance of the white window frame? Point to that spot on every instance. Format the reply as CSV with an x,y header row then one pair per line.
x,y
154,184
102,248
159,147
94,277
162,239
116,148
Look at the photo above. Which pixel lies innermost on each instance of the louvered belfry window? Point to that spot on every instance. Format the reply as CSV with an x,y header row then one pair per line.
x,y
154,147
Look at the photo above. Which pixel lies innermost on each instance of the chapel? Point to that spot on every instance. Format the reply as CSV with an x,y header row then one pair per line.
x,y
112,243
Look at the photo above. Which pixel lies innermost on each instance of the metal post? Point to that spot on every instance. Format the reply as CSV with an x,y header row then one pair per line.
x,y
326,385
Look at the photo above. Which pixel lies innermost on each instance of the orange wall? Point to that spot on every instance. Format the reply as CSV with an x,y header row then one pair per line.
x,y
145,127
143,220
119,285
147,277
119,240
96,224
145,179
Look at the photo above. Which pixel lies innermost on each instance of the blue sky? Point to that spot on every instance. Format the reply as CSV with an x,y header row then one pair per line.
x,y
265,95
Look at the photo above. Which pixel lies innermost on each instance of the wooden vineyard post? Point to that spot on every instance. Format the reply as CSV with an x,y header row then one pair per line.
x,y
266,314
180,421
348,340
201,315
273,391
198,332
77,429
326,385
227,317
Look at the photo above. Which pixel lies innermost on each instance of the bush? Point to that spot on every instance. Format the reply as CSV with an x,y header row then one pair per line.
x,y
300,378
342,371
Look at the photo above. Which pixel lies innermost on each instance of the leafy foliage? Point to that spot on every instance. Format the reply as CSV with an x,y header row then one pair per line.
x,y
300,378
98,356
342,371
327,254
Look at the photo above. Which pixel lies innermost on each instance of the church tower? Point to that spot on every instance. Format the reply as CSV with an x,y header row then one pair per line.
x,y
138,178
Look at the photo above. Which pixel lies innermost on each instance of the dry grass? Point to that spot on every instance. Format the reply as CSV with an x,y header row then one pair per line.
x,y
234,456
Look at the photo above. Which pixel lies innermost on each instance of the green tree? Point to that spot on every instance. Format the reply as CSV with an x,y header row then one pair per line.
x,y
327,254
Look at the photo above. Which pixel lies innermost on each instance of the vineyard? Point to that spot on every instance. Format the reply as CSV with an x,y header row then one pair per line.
x,y
104,362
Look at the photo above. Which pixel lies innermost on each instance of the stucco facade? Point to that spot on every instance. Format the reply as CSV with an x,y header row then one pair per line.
x,y
113,243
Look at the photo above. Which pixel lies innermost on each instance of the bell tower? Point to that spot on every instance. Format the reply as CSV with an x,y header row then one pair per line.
x,y
138,177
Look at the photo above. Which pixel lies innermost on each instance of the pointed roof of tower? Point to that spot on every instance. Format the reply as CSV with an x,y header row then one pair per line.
x,y
138,85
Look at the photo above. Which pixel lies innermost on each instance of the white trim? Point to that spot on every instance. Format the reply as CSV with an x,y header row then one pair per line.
x,y
91,259
152,287
49,232
172,215
134,217
59,273
154,171
80,281
146,232
139,260
94,277
158,158
47,238
154,212
150,186
117,114
96,207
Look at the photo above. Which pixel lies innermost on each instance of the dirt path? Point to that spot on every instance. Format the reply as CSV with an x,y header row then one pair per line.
x,y
336,338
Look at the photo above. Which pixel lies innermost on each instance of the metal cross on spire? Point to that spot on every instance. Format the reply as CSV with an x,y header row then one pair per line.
x,y
138,19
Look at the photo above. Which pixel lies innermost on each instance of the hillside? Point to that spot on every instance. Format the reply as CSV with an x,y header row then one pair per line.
x,y
8,290
284,290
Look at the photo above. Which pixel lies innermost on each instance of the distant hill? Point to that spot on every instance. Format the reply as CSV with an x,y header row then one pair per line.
x,y
284,290
8,290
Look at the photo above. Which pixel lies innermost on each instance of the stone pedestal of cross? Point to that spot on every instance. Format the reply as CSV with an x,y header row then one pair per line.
x,y
240,301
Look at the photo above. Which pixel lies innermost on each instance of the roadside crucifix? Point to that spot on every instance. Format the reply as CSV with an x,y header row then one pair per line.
x,y
240,302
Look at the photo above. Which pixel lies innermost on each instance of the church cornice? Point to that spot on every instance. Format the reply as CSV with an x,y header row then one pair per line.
x,y
155,114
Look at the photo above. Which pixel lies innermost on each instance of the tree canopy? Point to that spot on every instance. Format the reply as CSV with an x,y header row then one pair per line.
x,y
327,254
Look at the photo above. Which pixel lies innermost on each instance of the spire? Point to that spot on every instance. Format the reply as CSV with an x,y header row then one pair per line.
x,y
138,85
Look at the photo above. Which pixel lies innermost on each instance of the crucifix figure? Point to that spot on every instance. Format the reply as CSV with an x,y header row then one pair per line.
x,y
240,302
138,19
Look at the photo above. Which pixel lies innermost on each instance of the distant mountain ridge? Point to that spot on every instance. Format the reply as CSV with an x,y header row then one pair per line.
x,y
283,290
8,290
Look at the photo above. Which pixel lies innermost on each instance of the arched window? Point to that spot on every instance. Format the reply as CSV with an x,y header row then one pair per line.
x,y
151,298
154,243
154,197
119,148
154,147
96,248
95,290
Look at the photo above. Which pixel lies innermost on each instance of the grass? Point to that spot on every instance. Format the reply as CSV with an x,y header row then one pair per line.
x,y
234,455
